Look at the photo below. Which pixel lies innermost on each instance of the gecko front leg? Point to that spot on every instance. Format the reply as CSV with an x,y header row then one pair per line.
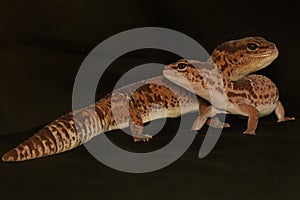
x,y
136,125
209,111
214,121
252,113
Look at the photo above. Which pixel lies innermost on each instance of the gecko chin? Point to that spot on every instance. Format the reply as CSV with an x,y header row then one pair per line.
x,y
266,61
257,62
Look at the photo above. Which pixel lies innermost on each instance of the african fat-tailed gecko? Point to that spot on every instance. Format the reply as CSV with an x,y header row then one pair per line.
x,y
235,58
253,96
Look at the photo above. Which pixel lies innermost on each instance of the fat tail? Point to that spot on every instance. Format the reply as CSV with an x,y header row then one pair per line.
x,y
61,135
56,137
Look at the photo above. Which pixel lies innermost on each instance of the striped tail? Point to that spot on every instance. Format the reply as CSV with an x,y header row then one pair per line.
x,y
61,135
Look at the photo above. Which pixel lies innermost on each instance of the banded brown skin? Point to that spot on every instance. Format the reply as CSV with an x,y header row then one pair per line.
x,y
234,58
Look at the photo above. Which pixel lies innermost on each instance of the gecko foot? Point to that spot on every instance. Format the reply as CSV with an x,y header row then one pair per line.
x,y
142,137
214,122
247,132
286,119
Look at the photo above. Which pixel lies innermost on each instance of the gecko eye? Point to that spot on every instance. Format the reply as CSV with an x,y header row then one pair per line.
x,y
182,66
252,46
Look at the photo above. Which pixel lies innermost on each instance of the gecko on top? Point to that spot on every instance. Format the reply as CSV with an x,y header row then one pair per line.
x,y
236,58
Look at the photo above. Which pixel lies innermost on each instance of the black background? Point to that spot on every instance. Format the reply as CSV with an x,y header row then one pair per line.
x,y
42,45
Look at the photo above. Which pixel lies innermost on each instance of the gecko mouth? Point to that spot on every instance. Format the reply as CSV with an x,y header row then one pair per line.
x,y
179,79
171,74
273,53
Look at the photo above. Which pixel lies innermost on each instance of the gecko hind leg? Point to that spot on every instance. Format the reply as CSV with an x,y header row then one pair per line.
x,y
279,111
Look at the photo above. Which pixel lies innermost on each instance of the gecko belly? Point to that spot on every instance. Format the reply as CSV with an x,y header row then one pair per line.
x,y
263,109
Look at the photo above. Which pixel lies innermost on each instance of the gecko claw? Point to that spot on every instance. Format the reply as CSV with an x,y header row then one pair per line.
x,y
144,138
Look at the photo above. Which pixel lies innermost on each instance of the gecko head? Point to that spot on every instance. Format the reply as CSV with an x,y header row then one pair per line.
x,y
238,58
189,74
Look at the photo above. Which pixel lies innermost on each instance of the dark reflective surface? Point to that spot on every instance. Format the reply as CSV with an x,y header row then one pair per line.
x,y
41,48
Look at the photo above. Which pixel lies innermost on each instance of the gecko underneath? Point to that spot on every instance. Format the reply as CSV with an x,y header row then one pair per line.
x,y
235,58
252,96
